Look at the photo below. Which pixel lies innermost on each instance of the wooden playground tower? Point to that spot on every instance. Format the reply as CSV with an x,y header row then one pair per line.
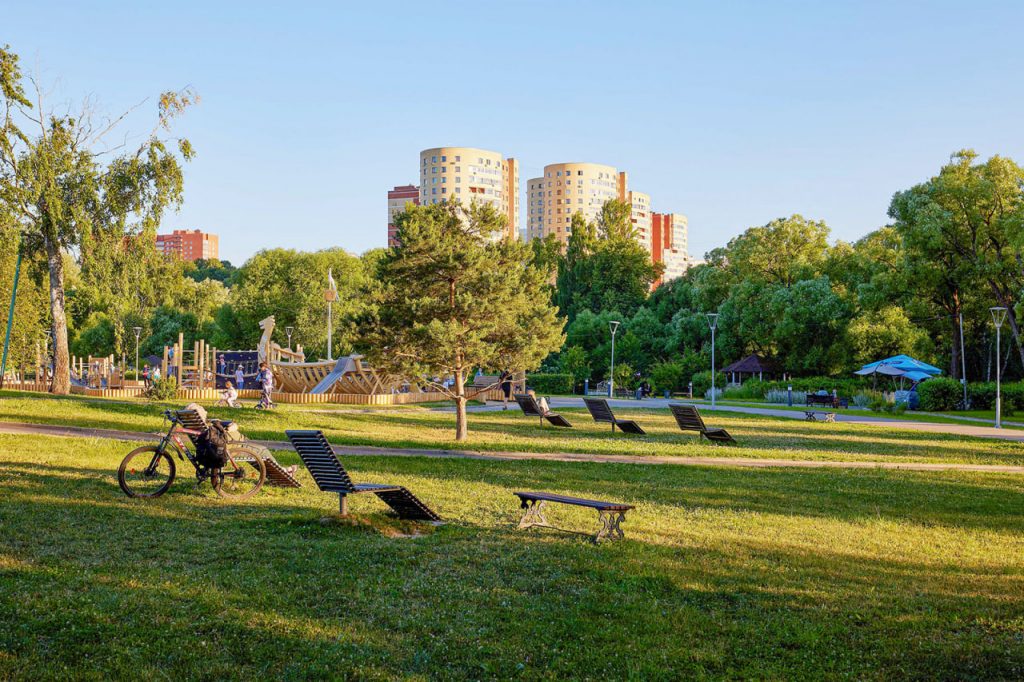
x,y
196,367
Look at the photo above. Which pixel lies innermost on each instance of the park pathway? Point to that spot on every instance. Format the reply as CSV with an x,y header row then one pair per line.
x,y
139,436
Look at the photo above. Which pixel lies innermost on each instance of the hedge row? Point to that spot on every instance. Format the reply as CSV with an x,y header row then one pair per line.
x,y
550,384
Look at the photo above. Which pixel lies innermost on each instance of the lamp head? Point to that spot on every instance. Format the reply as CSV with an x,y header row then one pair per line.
x,y
998,315
137,330
712,320
613,325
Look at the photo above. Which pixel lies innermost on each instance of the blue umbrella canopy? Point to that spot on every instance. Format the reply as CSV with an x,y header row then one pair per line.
x,y
904,363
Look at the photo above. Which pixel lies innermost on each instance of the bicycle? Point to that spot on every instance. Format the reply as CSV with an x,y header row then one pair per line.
x,y
149,471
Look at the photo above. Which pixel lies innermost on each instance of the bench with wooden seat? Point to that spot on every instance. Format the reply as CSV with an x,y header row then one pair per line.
x,y
330,476
531,408
688,419
609,514
602,413
812,416
277,475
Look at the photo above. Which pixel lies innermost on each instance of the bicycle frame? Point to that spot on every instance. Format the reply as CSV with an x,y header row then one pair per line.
x,y
173,439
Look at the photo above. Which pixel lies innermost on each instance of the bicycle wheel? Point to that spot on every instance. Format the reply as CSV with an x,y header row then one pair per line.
x,y
146,472
243,475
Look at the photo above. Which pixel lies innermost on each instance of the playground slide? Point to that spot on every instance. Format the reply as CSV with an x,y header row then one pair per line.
x,y
328,381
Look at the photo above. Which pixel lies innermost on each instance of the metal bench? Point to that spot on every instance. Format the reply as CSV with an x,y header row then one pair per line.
x,y
530,407
277,475
602,412
812,416
688,419
330,476
609,514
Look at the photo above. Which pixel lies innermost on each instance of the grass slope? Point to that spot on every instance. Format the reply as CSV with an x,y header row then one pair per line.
x,y
760,437
724,573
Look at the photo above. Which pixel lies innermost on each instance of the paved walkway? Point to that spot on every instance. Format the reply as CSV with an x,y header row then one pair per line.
x,y
138,436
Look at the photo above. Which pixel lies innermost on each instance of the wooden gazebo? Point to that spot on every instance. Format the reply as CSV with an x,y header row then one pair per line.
x,y
753,365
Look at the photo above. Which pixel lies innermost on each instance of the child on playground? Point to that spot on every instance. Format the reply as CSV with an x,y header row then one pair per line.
x,y
266,379
229,396
239,377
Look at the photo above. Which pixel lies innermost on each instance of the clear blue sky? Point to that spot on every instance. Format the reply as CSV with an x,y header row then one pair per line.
x,y
731,112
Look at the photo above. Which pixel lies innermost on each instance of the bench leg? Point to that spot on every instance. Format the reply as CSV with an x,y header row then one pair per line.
x,y
610,528
343,504
534,515
830,417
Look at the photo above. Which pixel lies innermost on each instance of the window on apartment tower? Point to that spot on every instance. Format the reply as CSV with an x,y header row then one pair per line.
x,y
443,159
433,159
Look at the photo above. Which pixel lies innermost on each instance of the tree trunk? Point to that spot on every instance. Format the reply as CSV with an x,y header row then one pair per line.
x,y
1011,317
461,427
61,382
954,365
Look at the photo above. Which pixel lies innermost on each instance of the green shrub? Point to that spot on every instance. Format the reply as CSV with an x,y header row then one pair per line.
x,y
778,397
667,376
863,399
983,396
702,382
939,394
550,384
163,389
751,389
625,377
845,386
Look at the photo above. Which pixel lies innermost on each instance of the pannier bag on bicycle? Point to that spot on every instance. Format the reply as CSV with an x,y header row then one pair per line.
x,y
212,446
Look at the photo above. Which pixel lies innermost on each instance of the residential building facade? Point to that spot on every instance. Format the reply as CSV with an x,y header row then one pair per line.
x,y
669,244
189,245
569,188
397,199
468,174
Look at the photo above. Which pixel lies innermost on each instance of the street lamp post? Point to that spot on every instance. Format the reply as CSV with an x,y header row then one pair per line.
x,y
289,330
998,317
614,326
713,323
138,332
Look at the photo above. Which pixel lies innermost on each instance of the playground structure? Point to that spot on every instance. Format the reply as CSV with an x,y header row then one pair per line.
x,y
345,376
346,380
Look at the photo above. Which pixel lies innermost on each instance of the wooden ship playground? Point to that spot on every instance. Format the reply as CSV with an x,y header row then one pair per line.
x,y
202,370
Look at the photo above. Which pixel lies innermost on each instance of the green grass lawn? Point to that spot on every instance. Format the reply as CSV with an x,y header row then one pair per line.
x,y
760,437
724,573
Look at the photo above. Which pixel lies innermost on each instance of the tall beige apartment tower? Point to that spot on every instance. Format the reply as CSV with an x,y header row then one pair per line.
x,y
569,188
468,174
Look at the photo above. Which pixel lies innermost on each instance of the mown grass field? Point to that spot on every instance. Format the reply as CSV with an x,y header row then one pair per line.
x,y
724,573
759,437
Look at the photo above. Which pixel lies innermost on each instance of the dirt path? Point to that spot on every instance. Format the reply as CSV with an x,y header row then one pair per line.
x,y
137,436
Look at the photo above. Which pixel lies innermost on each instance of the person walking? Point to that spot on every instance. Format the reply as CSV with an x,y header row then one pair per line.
x,y
266,380
505,382
239,378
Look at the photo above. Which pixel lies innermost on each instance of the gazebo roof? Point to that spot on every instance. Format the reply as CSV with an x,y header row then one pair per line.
x,y
752,364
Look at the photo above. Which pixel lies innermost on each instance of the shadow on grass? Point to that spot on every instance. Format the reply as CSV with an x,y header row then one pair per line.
x,y
246,591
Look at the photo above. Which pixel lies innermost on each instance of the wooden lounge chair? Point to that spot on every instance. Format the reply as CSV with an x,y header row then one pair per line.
x,y
530,407
689,419
330,476
601,412
277,475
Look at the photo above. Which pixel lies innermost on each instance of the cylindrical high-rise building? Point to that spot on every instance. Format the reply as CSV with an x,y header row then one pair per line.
x,y
569,188
468,174
565,189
